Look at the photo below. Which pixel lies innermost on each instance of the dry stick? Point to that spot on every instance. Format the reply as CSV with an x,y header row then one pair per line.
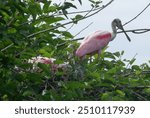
x,y
7,47
136,31
83,29
75,35
61,25
66,31
137,15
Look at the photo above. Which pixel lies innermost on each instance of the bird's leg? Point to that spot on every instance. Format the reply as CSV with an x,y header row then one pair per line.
x,y
82,58
99,52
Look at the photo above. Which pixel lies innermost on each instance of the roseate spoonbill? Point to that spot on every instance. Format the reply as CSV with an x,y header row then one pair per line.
x,y
40,59
45,60
96,41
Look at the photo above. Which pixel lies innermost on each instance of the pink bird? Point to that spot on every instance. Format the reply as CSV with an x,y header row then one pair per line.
x,y
96,41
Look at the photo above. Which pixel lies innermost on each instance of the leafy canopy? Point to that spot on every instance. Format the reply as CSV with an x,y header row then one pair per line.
x,y
30,28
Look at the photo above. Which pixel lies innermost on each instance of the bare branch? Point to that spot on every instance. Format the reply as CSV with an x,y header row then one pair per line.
x,y
137,15
136,31
74,36
83,29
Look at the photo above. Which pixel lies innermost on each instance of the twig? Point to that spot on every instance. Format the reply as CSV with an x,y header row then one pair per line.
x,y
136,31
75,35
83,29
7,47
80,12
137,15
129,63
103,7
66,30
139,87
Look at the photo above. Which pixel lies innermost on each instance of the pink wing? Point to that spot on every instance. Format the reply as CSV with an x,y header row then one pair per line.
x,y
93,43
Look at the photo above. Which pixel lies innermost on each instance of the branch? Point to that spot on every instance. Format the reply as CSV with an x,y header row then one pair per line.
x,y
137,15
136,31
61,25
7,47
79,12
59,14
74,36
138,87
140,96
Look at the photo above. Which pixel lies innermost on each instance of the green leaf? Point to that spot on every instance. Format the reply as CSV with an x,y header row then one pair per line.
x,y
80,1
136,67
117,54
109,55
45,68
132,61
52,9
47,7
65,13
147,91
27,93
78,17
107,96
52,19
138,72
35,9
67,34
122,52
121,93
5,97
112,71
68,5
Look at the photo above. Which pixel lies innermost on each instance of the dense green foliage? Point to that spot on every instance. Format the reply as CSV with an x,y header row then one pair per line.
x,y
29,29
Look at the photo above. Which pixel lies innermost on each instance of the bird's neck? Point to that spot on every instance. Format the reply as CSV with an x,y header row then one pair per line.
x,y
114,30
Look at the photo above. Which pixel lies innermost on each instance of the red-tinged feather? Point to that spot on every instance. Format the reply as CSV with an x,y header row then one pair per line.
x,y
93,43
104,36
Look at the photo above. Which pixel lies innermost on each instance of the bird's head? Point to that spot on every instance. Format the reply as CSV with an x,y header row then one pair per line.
x,y
117,23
